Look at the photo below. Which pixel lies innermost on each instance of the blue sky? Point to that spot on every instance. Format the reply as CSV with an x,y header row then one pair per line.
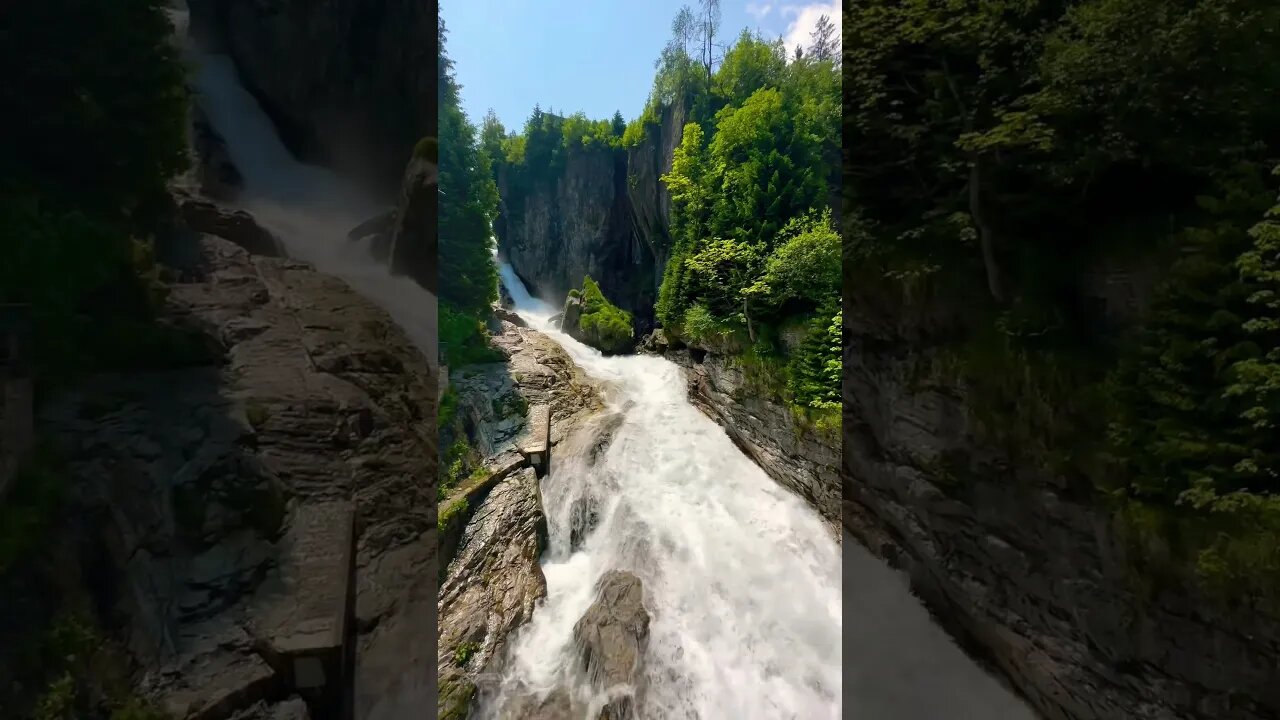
x,y
591,55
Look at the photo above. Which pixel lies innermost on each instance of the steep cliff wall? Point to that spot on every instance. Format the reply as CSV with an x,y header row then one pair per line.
x,y
800,457
579,223
605,214
1030,568
650,202
350,83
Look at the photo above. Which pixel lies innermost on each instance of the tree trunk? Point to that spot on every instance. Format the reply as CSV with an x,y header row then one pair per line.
x,y
985,235
994,284
751,331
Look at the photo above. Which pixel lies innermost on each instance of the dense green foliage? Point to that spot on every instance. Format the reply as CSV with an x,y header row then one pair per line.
x,y
80,672
468,205
998,152
754,245
603,324
538,155
93,130
93,133
31,506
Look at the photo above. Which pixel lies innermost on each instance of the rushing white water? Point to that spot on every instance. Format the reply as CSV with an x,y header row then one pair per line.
x,y
741,578
309,208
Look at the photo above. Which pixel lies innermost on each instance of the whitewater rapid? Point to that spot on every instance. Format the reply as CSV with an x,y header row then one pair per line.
x,y
741,578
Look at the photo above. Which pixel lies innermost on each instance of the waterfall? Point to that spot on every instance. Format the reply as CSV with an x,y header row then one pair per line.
x,y
742,579
309,208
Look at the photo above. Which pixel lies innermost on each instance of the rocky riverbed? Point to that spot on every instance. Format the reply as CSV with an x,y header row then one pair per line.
x,y
494,539
274,500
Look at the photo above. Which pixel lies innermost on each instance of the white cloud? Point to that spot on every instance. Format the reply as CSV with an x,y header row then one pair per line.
x,y
759,10
806,19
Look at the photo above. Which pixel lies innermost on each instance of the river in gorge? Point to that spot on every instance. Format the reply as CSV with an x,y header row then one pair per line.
x,y
743,581
741,578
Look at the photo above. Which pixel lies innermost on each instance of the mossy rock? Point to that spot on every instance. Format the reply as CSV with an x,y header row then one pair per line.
x,y
601,324
455,699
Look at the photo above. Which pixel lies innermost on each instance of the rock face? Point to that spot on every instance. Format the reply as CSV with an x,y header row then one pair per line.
x,y
578,225
802,458
224,492
350,83
1031,570
570,316
237,226
493,577
216,174
378,232
650,202
491,588
606,215
611,638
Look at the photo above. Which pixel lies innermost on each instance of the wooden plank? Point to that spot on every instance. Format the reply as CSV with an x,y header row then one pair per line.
x,y
317,567
539,431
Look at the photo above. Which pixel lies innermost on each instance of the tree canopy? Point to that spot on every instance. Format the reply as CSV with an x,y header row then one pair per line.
x,y
1000,152
468,202
92,134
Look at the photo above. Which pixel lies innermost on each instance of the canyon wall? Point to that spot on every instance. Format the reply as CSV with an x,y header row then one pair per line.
x,y
605,214
797,455
1030,569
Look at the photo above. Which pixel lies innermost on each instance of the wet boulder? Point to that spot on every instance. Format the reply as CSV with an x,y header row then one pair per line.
x,y
236,226
611,638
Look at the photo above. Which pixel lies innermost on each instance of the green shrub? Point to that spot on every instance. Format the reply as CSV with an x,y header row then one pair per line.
x,y
138,709
257,414
428,148
448,408
464,652
816,366
464,340
804,267
455,463
603,324
448,513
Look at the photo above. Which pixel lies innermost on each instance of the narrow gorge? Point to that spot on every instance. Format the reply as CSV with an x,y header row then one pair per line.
x,y
673,548
917,365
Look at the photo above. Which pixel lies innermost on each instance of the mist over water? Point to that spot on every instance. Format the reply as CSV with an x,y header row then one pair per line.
x,y
309,208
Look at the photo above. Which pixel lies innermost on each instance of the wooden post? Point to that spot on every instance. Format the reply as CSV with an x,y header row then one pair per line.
x,y
536,445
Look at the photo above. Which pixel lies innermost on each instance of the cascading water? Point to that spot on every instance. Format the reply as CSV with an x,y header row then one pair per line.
x,y
309,208
741,578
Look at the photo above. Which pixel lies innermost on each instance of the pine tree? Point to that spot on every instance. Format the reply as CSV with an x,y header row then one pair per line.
x,y
825,45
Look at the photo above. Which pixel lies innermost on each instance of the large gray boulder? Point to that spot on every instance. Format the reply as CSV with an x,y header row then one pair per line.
x,y
611,638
